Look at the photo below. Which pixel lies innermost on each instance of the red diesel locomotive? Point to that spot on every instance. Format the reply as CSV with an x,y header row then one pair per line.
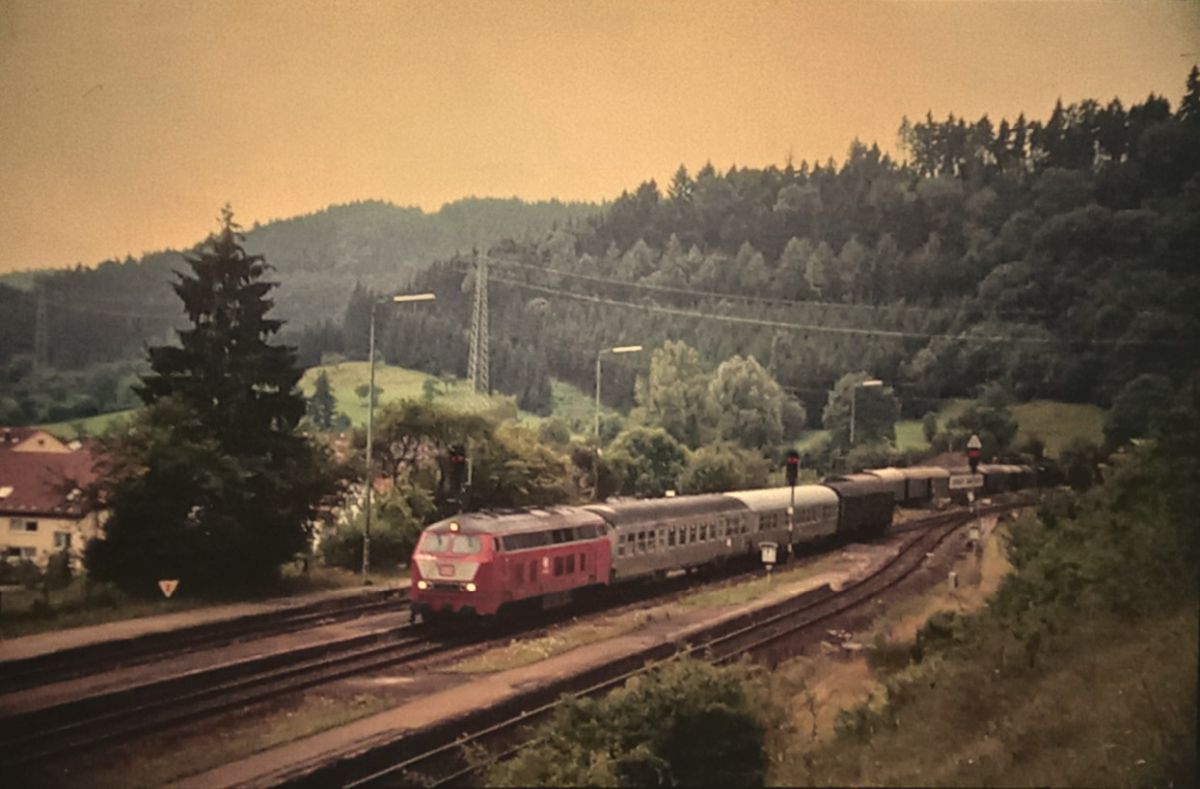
x,y
477,562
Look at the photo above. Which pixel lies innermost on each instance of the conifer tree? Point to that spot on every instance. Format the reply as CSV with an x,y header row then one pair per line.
x,y
213,486
321,406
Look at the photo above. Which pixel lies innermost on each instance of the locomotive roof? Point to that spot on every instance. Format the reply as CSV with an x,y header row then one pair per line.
x,y
620,513
781,498
516,521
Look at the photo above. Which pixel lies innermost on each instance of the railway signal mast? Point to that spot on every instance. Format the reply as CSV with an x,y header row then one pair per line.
x,y
974,446
791,469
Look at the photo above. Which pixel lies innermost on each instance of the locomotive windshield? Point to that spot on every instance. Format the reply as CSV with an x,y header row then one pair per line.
x,y
447,542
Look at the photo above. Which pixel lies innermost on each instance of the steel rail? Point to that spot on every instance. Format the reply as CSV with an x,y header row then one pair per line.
x,y
79,661
820,605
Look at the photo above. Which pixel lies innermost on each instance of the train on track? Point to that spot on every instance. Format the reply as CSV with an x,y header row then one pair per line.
x,y
486,563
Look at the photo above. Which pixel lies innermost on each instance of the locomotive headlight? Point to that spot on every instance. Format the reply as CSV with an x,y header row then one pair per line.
x,y
470,587
422,585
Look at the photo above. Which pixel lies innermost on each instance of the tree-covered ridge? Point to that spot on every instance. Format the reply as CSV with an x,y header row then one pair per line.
x,y
110,311
1056,257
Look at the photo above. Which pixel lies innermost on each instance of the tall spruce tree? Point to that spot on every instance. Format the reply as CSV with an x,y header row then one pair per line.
x,y
321,406
213,485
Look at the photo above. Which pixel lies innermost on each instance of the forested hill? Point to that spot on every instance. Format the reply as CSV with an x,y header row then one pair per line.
x,y
108,312
1057,256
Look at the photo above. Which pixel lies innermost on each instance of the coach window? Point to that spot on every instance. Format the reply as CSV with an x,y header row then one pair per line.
x,y
520,572
533,571
570,564
671,537
620,545
558,565
582,562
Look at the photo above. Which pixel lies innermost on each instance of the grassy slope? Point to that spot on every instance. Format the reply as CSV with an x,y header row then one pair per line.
x,y
1106,708
1055,423
89,426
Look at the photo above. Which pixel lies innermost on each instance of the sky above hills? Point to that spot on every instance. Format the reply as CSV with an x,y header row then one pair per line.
x,y
125,125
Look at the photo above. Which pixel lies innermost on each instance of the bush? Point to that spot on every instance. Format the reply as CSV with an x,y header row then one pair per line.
x,y
723,467
685,724
555,431
395,529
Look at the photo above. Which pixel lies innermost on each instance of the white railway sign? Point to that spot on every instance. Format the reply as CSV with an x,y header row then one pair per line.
x,y
966,481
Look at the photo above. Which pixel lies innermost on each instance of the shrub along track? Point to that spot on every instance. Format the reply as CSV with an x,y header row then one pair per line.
x,y
108,655
439,756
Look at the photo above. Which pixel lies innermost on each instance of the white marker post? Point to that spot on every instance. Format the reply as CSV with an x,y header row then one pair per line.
x,y
769,553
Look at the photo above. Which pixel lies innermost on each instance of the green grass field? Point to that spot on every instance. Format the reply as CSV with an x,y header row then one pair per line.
x,y
398,383
90,426
1054,422
1057,424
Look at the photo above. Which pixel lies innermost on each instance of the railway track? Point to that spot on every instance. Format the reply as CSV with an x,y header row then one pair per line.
x,y
105,656
127,713
440,757
124,714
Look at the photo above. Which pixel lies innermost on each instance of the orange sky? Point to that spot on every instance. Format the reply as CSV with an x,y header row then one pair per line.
x,y
125,125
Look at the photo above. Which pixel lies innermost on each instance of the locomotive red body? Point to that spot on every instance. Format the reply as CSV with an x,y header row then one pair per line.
x,y
478,562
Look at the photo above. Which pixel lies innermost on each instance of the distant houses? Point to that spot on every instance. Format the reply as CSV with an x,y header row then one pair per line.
x,y
42,507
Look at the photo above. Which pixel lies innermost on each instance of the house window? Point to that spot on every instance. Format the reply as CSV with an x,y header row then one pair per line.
x,y
20,553
21,524
62,540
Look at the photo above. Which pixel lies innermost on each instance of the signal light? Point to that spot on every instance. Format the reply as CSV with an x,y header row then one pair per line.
x,y
457,473
791,467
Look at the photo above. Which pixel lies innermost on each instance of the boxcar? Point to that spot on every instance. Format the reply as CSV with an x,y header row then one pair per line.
x,y
864,504
927,483
895,481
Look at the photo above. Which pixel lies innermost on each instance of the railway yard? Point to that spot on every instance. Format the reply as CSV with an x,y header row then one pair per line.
x,y
344,690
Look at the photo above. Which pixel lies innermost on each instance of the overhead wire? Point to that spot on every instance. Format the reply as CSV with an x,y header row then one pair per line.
x,y
839,330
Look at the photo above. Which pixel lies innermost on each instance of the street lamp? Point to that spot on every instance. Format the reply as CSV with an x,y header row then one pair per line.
x,y
401,299
871,384
599,354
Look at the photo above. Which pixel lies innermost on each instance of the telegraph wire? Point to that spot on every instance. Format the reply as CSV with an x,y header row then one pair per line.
x,y
842,330
796,303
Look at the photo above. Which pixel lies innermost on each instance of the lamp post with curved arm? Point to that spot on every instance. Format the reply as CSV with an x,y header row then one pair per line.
x,y
398,299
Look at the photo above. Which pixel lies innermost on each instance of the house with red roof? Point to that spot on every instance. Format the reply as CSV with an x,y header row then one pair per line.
x,y
42,506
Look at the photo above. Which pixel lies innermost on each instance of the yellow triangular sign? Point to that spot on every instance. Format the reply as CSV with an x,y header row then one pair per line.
x,y
168,587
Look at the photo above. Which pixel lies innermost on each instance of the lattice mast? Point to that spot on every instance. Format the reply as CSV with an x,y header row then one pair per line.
x,y
478,361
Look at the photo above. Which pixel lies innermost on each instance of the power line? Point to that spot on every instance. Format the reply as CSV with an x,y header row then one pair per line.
x,y
92,310
795,303
843,330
